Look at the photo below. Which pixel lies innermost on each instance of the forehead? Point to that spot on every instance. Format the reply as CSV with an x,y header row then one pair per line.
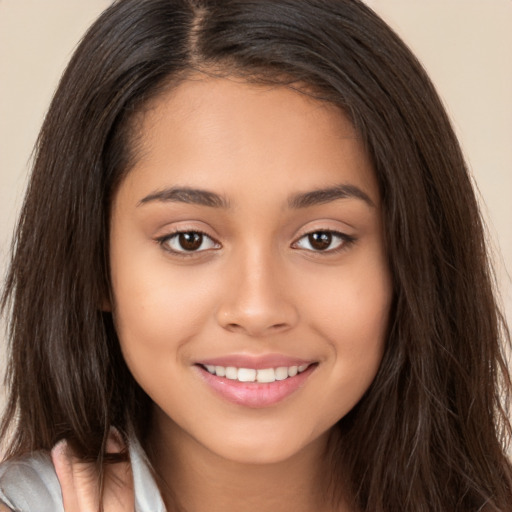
x,y
214,131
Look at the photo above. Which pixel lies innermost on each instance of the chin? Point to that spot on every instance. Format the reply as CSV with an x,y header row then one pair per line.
x,y
258,453
267,446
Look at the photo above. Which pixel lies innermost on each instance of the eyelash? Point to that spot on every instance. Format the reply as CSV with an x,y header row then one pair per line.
x,y
345,242
163,241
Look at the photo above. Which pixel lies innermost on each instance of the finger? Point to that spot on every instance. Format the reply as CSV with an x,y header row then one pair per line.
x,y
118,493
86,483
71,483
80,481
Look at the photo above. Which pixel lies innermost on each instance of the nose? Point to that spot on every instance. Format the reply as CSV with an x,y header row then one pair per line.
x,y
256,300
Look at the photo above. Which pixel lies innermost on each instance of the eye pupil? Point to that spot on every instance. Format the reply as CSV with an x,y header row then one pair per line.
x,y
320,240
190,241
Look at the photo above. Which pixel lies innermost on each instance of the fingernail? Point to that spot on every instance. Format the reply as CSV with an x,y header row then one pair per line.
x,y
60,448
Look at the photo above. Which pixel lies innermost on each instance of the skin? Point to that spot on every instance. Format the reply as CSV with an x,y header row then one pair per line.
x,y
79,481
256,286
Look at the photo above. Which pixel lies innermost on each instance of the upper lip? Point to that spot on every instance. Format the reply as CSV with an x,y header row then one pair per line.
x,y
256,362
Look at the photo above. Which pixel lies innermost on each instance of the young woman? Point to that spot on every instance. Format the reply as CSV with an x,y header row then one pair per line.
x,y
250,274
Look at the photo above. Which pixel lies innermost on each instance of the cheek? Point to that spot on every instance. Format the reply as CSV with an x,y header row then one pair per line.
x,y
352,314
157,308
351,307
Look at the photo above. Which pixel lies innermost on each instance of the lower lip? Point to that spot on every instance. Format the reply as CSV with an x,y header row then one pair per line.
x,y
255,394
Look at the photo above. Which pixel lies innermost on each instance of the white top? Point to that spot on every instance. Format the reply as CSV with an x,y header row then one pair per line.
x,y
30,484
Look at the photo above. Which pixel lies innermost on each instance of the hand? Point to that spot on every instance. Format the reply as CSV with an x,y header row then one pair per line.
x,y
79,481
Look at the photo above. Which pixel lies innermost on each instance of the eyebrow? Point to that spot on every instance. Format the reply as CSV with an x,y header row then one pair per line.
x,y
326,195
187,195
297,201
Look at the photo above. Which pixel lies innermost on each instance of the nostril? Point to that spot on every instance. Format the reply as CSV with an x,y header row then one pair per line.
x,y
234,327
278,326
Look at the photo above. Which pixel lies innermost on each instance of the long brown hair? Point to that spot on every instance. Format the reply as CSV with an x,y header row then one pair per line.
x,y
431,431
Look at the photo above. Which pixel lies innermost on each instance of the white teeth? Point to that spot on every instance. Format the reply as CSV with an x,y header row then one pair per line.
x,y
253,375
266,375
281,373
231,373
246,374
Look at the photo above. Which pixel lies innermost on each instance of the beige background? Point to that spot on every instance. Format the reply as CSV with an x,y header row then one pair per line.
x,y
466,45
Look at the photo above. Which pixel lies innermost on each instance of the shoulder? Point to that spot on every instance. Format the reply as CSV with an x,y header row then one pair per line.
x,y
30,484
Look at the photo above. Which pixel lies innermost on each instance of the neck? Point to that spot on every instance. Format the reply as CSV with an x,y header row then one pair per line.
x,y
194,479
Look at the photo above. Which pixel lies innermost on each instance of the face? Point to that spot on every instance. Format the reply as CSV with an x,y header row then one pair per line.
x,y
250,282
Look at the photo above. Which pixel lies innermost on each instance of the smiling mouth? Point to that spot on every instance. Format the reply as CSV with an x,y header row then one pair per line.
x,y
260,375
256,387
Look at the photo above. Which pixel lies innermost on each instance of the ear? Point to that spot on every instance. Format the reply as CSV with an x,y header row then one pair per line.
x,y
106,302
106,306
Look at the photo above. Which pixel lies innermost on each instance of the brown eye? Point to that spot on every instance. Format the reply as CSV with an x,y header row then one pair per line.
x,y
188,242
324,241
320,241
